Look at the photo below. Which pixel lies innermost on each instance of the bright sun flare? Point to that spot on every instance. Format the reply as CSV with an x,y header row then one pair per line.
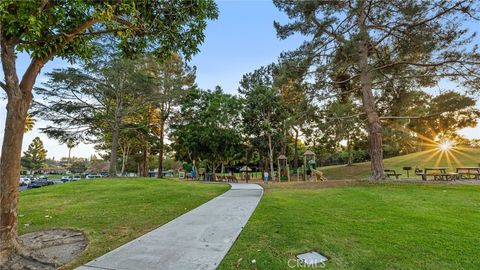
x,y
445,145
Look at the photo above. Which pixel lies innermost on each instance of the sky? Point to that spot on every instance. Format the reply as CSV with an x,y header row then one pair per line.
x,y
241,40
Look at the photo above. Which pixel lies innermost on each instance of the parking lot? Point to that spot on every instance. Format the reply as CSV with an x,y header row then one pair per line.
x,y
29,182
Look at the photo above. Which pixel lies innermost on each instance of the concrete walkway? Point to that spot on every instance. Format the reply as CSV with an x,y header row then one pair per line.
x,y
198,239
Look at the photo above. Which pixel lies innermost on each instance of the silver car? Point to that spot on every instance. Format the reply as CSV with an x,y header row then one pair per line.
x,y
24,181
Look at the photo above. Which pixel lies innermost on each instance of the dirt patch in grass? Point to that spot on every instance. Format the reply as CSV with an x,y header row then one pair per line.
x,y
48,249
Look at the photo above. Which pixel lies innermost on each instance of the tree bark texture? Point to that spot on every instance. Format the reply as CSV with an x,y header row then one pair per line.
x,y
270,156
295,150
125,154
145,161
374,125
112,171
160,150
349,150
19,98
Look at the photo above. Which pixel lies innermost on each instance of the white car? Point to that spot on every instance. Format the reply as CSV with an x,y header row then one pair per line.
x,y
75,178
24,181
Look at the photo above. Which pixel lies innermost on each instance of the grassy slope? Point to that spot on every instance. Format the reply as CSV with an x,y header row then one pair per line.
x,y
111,212
464,157
390,226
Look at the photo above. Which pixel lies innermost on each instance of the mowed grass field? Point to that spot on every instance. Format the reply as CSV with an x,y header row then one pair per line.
x,y
454,158
111,211
370,226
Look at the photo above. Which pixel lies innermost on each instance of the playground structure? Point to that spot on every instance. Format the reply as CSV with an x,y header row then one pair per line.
x,y
319,175
307,172
283,168
309,163
245,173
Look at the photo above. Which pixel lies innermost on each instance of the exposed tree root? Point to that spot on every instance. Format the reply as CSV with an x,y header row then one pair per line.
x,y
47,250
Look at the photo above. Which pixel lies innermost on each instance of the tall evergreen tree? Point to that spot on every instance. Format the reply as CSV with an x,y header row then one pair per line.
x,y
35,156
170,80
379,42
92,102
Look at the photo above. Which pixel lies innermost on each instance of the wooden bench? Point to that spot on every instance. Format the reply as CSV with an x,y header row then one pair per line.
x,y
423,175
440,176
392,173
475,176
439,173
446,176
469,173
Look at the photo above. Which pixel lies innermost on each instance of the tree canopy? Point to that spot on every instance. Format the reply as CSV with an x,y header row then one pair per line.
x,y
206,128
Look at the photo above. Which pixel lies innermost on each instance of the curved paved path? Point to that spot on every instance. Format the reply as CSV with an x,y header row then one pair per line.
x,y
198,239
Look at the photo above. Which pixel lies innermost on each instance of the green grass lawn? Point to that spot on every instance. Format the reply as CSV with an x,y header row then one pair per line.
x,y
456,158
375,226
111,211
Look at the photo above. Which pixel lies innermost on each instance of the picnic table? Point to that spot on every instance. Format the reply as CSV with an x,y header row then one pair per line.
x,y
439,169
469,172
439,173
392,173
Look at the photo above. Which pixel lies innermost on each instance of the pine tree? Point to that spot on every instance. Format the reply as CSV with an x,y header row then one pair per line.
x,y
35,156
378,45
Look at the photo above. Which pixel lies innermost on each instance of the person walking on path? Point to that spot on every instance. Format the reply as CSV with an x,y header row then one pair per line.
x,y
265,177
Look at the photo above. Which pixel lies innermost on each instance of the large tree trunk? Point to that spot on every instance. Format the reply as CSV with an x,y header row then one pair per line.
x,y
112,171
349,150
9,174
145,162
125,154
270,156
374,125
284,139
295,151
160,150
247,162
122,170
19,98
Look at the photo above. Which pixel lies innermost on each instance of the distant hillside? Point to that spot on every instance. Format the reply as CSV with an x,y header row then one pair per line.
x,y
454,158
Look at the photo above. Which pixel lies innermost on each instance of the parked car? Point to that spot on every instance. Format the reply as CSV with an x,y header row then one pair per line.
x,y
168,173
93,176
56,181
75,178
24,181
41,182
66,179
